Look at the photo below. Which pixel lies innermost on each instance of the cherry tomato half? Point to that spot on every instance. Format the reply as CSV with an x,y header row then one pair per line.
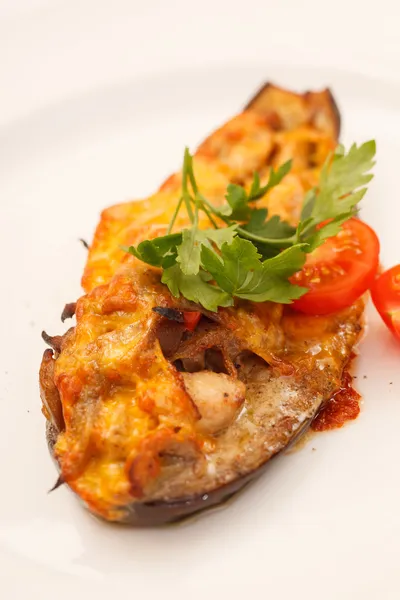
x,y
191,319
339,271
385,294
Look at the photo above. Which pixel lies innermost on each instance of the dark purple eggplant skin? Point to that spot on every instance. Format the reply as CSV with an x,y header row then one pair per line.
x,y
152,514
336,113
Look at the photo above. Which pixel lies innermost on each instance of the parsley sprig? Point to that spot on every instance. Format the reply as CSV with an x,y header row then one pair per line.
x,y
245,253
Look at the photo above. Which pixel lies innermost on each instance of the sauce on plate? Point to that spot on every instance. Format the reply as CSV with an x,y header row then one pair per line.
x,y
341,407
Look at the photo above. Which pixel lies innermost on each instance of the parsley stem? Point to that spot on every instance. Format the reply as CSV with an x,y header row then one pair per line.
x,y
192,177
186,168
210,218
196,214
204,205
199,201
214,210
204,208
187,198
280,243
174,216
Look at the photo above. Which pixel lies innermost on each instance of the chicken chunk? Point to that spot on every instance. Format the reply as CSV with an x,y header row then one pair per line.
x,y
217,396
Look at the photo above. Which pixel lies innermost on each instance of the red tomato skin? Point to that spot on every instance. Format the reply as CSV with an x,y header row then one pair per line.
x,y
359,273
191,319
385,294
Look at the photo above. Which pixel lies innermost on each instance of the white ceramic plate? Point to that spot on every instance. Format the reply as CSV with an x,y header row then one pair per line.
x,y
324,523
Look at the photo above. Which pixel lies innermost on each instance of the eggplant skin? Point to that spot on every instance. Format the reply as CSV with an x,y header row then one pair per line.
x,y
152,514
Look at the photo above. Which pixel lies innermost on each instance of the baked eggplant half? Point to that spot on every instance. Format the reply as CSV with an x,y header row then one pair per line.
x,y
149,421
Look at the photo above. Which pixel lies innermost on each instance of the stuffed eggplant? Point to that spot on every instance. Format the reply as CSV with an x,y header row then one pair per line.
x,y
158,407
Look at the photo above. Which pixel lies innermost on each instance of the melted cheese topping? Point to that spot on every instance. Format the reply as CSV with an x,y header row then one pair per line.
x,y
125,406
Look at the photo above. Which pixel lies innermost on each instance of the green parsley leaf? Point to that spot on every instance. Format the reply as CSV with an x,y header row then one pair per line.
x,y
273,228
231,270
218,236
154,251
339,150
195,288
341,178
169,260
192,241
275,177
189,252
329,230
338,194
237,199
240,272
308,204
254,258
271,283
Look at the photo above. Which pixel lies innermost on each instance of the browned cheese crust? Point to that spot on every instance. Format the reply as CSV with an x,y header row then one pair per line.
x,y
148,422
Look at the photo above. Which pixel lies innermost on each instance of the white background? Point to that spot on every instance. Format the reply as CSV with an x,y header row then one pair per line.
x,y
52,49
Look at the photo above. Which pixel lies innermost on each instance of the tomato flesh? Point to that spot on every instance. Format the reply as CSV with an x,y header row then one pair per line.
x,y
190,319
385,294
339,271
